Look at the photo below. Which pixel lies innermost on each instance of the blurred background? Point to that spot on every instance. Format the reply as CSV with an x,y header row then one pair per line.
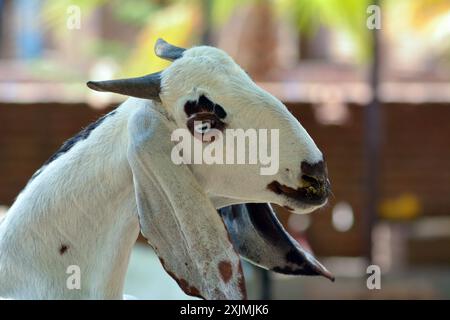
x,y
375,100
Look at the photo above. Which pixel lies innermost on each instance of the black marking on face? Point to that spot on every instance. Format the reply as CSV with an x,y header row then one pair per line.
x,y
219,111
204,105
82,135
204,115
201,123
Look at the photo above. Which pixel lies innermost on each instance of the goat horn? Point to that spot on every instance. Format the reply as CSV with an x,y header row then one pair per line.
x,y
146,87
167,51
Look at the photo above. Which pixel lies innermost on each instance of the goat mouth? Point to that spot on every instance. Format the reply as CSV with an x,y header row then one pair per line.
x,y
310,195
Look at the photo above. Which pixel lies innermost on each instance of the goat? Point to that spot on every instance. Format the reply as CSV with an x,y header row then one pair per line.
x,y
88,203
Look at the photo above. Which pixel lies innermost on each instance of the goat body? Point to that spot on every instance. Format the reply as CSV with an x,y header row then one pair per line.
x,y
79,210
79,216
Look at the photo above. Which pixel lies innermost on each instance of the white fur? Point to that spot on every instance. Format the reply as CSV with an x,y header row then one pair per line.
x,y
84,200
87,201
210,71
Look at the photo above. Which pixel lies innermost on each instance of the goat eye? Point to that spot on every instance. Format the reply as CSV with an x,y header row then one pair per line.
x,y
202,127
201,124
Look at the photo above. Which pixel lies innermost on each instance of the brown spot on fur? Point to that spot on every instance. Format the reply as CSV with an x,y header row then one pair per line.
x,y
194,292
182,283
273,186
288,208
63,249
226,270
241,283
242,288
188,289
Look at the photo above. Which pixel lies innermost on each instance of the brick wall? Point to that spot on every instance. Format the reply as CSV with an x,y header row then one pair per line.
x,y
30,134
415,157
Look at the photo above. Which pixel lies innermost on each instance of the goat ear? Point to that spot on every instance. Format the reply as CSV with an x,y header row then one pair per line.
x,y
176,216
168,51
146,87
260,238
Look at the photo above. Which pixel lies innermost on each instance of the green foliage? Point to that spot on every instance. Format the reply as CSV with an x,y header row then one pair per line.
x,y
54,12
221,10
135,12
348,16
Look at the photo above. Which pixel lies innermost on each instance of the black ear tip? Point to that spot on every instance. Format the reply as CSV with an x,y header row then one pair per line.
x,y
158,46
94,85
327,274
161,41
161,46
167,51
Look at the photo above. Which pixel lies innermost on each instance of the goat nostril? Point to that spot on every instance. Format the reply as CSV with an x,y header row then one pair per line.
x,y
317,185
312,181
317,169
314,178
